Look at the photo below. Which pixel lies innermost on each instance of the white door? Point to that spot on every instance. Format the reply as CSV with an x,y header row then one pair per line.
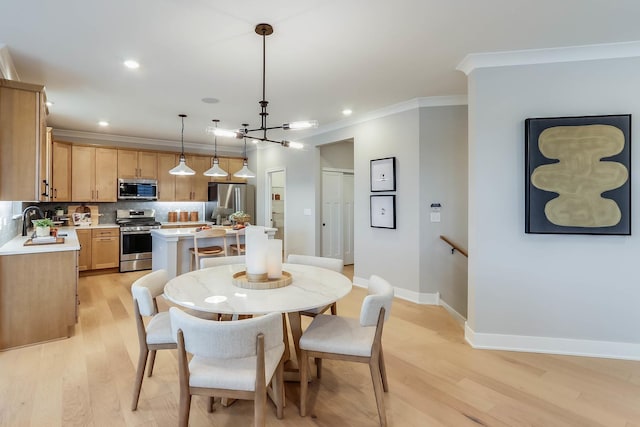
x,y
347,218
332,214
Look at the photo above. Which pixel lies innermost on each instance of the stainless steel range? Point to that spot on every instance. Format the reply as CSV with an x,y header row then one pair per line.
x,y
135,238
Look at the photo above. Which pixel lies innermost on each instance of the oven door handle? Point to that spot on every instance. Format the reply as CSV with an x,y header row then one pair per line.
x,y
126,233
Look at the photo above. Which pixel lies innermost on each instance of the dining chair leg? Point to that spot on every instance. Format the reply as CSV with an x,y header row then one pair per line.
x,y
152,361
334,309
374,367
318,367
277,384
185,407
142,361
304,383
383,372
210,404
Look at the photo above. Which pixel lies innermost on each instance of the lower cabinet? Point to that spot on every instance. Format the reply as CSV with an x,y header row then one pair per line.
x,y
38,297
84,257
99,248
105,248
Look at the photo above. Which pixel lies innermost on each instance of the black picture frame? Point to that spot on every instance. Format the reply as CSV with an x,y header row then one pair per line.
x,y
383,211
578,175
383,174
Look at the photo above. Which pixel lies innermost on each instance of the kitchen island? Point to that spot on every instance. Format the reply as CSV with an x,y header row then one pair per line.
x,y
171,247
38,290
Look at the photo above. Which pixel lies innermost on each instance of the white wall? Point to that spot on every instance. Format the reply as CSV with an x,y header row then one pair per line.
x,y
392,254
338,155
556,293
429,144
301,181
443,179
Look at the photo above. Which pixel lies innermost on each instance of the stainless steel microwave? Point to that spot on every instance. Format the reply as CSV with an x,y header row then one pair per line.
x,y
137,189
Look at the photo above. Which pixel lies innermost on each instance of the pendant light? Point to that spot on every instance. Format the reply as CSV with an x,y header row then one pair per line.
x,y
182,168
245,172
215,170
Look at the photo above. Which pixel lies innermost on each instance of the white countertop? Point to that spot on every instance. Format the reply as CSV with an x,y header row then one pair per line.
x,y
16,246
81,227
188,232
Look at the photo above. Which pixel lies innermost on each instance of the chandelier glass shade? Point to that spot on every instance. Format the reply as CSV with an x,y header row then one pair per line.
x,y
182,168
216,170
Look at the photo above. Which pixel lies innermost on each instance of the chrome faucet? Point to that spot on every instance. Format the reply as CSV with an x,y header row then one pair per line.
x,y
25,214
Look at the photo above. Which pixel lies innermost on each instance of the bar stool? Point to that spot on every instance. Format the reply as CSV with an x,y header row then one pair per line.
x,y
198,252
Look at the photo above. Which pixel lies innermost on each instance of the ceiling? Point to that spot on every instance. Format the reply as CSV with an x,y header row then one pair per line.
x,y
323,57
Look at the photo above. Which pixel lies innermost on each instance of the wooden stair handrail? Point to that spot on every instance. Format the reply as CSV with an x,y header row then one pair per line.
x,y
455,247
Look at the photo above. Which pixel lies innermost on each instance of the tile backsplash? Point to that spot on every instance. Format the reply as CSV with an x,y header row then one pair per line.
x,y
108,210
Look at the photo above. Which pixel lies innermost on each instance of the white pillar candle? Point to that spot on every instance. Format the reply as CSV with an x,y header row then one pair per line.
x,y
274,258
256,250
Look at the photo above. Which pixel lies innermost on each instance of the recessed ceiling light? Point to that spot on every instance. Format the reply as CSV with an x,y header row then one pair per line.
x,y
210,100
49,103
130,63
347,112
103,123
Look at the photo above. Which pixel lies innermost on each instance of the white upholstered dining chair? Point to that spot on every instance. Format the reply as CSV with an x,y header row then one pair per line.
x,y
235,359
334,264
156,335
199,251
354,340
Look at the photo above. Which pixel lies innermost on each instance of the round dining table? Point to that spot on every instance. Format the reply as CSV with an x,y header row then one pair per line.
x,y
212,290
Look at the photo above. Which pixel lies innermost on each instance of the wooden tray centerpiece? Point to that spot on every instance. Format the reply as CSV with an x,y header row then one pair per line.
x,y
242,280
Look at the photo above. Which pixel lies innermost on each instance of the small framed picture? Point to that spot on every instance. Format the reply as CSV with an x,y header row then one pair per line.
x,y
383,211
383,174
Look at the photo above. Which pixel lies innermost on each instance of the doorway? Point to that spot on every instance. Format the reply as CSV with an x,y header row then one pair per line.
x,y
337,215
276,199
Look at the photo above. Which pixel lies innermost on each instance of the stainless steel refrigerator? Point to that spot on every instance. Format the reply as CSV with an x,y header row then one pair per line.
x,y
225,199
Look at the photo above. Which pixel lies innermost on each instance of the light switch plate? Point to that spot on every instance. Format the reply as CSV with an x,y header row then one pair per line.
x,y
307,211
435,216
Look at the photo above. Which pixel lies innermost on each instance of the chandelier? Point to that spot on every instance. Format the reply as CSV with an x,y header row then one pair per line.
x,y
264,30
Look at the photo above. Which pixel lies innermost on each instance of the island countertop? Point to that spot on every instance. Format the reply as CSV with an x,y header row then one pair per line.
x,y
16,246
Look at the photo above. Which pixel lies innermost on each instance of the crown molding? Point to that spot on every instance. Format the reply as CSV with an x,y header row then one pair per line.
x,y
135,142
548,56
412,104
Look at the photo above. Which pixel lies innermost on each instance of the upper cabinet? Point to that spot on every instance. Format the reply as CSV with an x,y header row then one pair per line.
x,y
230,165
61,172
137,164
94,174
166,181
194,187
22,130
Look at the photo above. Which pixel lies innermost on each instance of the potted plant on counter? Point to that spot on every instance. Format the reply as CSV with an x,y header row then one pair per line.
x,y
43,226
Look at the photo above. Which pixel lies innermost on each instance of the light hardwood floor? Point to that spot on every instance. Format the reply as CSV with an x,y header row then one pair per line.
x,y
435,378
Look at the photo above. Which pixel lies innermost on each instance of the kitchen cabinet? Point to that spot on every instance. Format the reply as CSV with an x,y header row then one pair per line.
x,y
137,164
166,181
46,156
94,174
84,257
194,187
38,297
105,248
230,165
60,190
22,130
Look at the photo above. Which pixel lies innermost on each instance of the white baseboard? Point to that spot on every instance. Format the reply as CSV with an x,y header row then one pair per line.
x,y
405,294
572,347
459,318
